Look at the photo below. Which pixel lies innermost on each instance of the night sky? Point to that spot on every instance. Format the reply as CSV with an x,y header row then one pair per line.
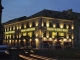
x,y
18,8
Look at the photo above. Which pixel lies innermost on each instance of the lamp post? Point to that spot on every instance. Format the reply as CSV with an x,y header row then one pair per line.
x,y
1,28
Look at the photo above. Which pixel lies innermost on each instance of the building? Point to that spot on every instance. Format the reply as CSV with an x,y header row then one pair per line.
x,y
45,29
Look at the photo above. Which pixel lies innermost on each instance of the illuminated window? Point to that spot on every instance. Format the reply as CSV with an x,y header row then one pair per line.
x,y
61,34
5,29
54,34
24,34
30,34
14,28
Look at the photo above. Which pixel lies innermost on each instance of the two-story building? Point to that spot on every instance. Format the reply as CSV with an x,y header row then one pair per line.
x,y
45,29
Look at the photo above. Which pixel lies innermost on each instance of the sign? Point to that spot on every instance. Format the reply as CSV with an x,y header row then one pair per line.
x,y
28,29
57,29
9,32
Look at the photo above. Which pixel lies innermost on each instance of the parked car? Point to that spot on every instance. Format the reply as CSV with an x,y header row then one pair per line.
x,y
4,51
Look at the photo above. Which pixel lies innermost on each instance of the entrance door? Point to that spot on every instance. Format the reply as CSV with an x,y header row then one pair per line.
x,y
47,44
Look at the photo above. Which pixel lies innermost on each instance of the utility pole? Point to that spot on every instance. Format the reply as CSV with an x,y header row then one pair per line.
x,y
1,27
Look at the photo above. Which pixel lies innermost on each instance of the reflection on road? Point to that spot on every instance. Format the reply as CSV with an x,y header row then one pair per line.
x,y
35,57
42,57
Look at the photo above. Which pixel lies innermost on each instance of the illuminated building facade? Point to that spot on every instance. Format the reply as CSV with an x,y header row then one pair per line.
x,y
42,30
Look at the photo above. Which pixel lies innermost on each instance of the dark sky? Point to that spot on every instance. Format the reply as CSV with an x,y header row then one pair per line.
x,y
18,8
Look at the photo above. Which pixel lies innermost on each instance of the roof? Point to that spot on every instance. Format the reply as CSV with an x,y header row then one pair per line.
x,y
65,14
16,19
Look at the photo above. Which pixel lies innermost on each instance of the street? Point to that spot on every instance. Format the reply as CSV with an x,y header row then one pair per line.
x,y
21,54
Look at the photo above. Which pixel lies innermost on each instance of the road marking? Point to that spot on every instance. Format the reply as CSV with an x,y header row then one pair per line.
x,y
42,57
25,57
35,56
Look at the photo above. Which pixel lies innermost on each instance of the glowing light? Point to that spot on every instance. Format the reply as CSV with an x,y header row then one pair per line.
x,y
54,25
30,40
72,27
37,41
50,39
36,23
69,40
67,26
57,29
9,32
47,36
28,29
44,38
55,40
65,40
47,25
24,25
42,23
19,26
6,52
61,25
60,40
30,24
10,41
14,28
32,51
24,34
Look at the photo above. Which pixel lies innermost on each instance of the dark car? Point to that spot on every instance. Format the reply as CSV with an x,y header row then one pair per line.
x,y
4,51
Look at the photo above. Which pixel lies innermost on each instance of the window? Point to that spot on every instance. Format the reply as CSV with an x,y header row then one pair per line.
x,y
44,24
54,34
27,25
44,34
58,25
12,27
33,35
33,24
69,26
50,34
64,25
50,24
22,26
69,34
